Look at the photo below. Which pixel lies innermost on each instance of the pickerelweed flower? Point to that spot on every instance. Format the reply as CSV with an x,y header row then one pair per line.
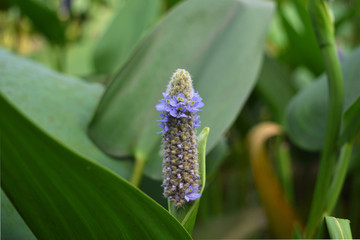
x,y
179,119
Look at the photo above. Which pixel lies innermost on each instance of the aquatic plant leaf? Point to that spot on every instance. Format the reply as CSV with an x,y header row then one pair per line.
x,y
63,195
58,104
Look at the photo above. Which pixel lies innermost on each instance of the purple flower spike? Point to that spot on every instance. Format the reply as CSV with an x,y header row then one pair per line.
x,y
179,119
192,194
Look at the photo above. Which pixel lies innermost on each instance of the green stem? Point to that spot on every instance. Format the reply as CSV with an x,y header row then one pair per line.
x,y
339,177
137,172
322,22
285,171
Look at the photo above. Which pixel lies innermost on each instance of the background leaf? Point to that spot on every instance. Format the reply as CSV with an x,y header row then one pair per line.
x,y
351,122
44,19
187,215
131,20
66,196
306,113
338,228
275,87
58,104
12,225
219,42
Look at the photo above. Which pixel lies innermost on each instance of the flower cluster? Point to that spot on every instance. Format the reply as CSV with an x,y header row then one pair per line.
x,y
179,119
178,107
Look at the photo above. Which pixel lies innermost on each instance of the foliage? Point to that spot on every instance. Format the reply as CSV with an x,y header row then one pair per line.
x,y
80,157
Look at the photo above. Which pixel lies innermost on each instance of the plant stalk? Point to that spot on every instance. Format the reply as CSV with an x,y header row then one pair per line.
x,y
339,177
137,172
323,25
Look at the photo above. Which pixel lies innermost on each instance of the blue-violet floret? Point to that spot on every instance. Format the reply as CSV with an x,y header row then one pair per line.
x,y
179,120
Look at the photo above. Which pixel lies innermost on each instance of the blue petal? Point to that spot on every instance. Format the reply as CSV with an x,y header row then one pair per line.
x,y
193,196
160,107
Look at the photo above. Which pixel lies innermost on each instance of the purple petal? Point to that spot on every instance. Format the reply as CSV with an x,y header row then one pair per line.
x,y
173,113
193,196
160,107
190,189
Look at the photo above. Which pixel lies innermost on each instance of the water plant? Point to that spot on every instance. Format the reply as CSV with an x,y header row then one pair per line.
x,y
99,144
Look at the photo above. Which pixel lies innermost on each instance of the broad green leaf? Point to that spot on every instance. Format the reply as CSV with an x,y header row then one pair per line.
x,y
219,42
306,113
62,195
351,122
187,214
338,228
44,19
12,225
131,20
60,105
275,87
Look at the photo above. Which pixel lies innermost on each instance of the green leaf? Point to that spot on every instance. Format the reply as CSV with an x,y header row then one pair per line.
x,y
62,195
12,225
338,228
44,19
60,105
351,122
306,113
209,38
187,214
131,20
275,87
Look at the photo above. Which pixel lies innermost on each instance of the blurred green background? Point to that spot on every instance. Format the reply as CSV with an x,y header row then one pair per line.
x,y
93,40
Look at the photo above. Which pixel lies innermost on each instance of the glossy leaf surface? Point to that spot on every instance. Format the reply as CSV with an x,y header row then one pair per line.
x,y
66,196
60,105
